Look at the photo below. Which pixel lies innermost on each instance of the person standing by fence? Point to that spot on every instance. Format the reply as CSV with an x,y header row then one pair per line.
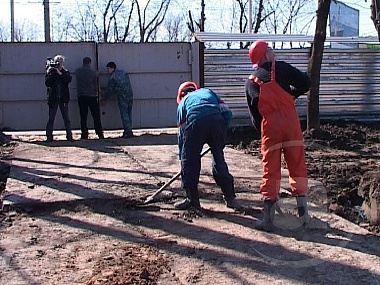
x,y
119,84
87,98
57,81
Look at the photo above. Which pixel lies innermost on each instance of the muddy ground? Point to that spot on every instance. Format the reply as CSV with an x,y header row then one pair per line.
x,y
338,158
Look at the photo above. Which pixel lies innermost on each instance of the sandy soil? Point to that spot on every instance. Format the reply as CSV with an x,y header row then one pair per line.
x,y
108,236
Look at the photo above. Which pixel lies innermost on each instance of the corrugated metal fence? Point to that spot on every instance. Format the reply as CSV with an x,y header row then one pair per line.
x,y
349,87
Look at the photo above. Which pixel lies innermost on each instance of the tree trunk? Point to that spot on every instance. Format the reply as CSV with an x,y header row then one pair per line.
x,y
315,63
375,9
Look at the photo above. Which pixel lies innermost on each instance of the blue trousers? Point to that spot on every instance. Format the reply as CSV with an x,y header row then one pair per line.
x,y
125,108
209,130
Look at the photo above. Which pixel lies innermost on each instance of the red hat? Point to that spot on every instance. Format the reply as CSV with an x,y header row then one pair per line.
x,y
185,88
257,51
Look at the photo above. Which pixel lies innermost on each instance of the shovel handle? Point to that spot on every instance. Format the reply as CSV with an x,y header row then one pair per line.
x,y
151,197
169,182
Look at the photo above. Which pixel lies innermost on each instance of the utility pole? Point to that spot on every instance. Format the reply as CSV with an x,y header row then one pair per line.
x,y
47,20
12,21
250,17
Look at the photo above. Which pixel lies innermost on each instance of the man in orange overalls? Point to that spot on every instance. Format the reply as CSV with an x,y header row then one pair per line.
x,y
271,90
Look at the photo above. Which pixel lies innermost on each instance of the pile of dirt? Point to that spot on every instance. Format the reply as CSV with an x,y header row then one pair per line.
x,y
338,156
140,265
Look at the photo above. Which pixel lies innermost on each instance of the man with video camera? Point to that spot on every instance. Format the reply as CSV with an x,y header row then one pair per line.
x,y
57,81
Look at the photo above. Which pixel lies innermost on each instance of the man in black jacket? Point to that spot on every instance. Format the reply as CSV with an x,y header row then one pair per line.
x,y
57,80
87,98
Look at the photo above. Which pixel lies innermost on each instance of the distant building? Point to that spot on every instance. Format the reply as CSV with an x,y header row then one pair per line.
x,y
343,22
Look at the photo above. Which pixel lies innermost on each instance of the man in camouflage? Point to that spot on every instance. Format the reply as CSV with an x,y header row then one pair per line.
x,y
120,85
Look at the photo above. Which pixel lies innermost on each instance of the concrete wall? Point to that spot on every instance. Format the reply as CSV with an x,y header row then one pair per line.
x,y
156,70
349,87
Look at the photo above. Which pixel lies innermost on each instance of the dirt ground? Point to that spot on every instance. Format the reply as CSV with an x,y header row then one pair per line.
x,y
338,157
89,225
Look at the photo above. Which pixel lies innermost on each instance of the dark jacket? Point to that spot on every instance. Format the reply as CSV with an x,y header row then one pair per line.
x,y
86,81
58,87
291,79
119,84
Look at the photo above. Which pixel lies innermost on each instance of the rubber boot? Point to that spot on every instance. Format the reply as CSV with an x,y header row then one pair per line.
x,y
266,223
302,208
192,200
229,197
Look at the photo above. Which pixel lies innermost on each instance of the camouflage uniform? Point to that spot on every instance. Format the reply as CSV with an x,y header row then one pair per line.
x,y
120,85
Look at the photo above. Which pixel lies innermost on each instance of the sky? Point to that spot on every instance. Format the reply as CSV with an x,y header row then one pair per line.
x,y
33,11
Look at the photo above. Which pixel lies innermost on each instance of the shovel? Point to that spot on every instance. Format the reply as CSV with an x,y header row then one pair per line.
x,y
154,195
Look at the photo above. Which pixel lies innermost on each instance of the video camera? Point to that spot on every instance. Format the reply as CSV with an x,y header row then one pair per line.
x,y
51,63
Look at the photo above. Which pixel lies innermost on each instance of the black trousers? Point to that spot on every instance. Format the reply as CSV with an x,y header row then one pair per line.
x,y
53,108
85,103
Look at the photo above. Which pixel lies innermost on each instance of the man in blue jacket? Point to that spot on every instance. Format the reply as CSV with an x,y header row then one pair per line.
x,y
120,85
202,118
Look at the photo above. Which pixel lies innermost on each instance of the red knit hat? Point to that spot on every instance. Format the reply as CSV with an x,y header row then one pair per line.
x,y
185,88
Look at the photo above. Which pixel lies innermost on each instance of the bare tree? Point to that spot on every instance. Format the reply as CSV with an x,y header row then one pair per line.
x,y
4,32
150,17
242,18
190,24
285,21
85,27
243,21
26,31
273,17
61,26
259,18
109,16
113,24
126,30
315,63
175,29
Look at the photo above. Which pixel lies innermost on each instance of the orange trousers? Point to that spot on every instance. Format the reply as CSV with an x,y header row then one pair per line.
x,y
280,134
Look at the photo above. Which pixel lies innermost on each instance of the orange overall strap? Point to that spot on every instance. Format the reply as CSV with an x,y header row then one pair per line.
x,y
273,71
255,79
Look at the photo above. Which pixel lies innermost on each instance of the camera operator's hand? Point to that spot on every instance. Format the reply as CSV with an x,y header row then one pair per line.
x,y
50,70
53,70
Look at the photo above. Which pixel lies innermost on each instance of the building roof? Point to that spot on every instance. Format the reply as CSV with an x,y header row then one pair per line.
x,y
246,37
